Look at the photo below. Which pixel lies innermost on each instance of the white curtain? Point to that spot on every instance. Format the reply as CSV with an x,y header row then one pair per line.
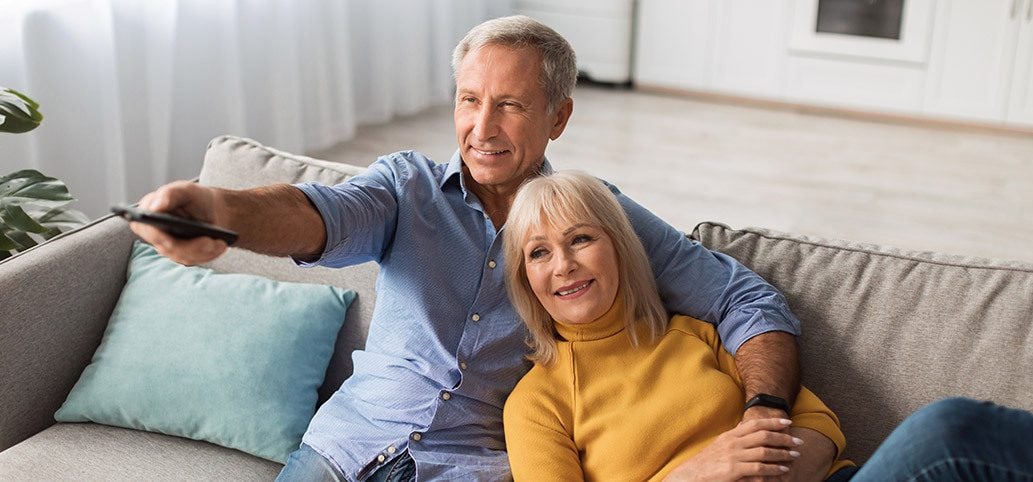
x,y
133,90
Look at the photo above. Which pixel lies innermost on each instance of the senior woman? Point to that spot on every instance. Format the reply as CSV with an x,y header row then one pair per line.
x,y
621,391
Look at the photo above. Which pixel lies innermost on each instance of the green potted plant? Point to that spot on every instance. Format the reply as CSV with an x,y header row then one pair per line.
x,y
33,206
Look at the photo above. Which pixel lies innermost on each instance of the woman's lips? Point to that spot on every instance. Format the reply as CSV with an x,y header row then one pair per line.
x,y
574,290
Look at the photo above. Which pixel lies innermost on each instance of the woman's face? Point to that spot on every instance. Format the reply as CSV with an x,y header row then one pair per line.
x,y
572,270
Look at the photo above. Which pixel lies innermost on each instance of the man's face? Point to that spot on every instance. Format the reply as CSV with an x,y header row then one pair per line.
x,y
502,118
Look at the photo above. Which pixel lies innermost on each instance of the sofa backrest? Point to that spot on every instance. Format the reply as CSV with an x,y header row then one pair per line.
x,y
886,331
238,163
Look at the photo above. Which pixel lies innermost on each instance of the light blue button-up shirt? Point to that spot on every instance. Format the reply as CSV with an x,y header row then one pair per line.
x,y
445,346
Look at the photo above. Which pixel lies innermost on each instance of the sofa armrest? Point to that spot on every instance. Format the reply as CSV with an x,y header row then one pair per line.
x,y
55,301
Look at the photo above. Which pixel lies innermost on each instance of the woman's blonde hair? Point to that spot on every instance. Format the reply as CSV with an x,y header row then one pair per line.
x,y
560,200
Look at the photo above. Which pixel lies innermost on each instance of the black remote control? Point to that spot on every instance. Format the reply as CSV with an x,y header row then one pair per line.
x,y
176,226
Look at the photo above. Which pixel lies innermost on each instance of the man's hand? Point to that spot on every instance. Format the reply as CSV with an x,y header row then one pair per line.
x,y
817,455
188,200
757,448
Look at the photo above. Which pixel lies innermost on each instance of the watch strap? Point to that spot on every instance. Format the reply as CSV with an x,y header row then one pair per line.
x,y
766,400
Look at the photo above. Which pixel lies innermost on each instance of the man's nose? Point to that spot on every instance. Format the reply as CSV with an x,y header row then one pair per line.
x,y
486,124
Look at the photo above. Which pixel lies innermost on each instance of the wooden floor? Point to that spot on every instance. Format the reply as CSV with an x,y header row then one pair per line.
x,y
925,188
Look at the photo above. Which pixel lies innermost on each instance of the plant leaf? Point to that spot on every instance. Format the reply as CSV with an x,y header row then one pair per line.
x,y
16,217
62,219
23,239
18,113
8,244
32,210
30,186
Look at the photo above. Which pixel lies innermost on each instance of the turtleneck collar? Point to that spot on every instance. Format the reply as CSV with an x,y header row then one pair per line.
x,y
609,324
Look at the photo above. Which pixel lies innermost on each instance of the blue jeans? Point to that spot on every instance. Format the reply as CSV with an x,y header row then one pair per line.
x,y
306,465
955,439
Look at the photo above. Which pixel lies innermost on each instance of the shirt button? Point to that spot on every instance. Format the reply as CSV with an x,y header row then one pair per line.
x,y
391,449
492,264
381,458
476,317
462,365
416,437
446,396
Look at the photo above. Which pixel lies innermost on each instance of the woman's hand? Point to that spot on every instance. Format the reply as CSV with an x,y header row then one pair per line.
x,y
755,448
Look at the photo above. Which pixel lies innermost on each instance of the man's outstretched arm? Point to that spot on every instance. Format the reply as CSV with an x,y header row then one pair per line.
x,y
275,220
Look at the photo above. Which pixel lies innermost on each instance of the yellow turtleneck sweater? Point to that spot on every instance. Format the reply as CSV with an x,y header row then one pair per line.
x,y
606,410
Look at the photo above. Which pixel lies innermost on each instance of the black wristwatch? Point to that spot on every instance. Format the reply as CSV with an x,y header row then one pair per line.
x,y
765,400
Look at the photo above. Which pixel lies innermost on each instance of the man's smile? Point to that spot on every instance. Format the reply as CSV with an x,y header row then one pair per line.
x,y
490,152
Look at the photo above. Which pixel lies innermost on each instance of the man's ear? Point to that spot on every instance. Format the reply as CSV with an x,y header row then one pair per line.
x,y
563,112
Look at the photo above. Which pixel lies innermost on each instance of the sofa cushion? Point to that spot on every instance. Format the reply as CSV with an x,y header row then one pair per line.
x,y
228,358
238,163
887,330
86,451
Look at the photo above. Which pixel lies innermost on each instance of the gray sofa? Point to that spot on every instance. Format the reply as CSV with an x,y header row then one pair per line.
x,y
885,331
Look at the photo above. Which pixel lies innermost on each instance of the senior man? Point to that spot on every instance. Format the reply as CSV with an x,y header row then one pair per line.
x,y
445,346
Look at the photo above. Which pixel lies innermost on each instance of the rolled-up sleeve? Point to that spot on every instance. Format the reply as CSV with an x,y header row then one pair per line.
x,y
708,285
360,214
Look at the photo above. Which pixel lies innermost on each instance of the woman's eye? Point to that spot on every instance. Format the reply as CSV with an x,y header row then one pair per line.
x,y
537,253
580,239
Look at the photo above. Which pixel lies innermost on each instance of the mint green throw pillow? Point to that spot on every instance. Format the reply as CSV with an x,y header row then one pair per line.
x,y
228,358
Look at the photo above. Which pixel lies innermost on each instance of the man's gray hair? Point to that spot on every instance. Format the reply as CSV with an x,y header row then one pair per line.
x,y
559,65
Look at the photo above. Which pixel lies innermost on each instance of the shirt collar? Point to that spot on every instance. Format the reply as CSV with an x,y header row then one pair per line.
x,y
455,169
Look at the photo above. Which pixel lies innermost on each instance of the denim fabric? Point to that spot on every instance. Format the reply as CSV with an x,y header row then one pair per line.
x,y
401,469
956,439
306,465
445,346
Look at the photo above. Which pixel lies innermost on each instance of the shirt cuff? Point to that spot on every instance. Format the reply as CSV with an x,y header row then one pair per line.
x,y
741,326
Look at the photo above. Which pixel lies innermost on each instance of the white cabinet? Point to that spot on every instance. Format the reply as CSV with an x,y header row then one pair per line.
x,y
1020,102
672,44
974,52
852,84
749,47
726,46
973,60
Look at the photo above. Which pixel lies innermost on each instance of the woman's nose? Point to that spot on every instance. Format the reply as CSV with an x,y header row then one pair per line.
x,y
565,264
